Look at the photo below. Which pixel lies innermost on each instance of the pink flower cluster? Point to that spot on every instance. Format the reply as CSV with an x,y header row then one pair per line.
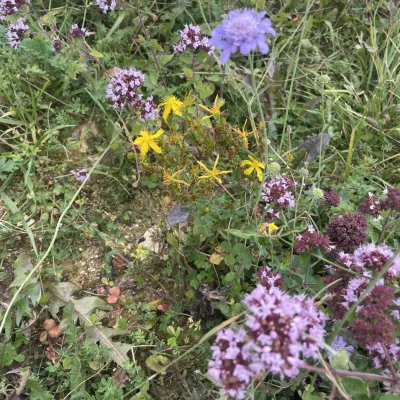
x,y
347,231
77,32
282,330
330,199
375,315
123,90
16,33
8,7
309,239
192,39
277,195
379,357
268,278
392,201
370,206
106,5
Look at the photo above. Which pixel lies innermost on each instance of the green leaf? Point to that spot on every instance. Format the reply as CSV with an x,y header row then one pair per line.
x,y
157,363
36,391
166,59
37,47
230,276
340,360
244,234
354,386
6,167
188,72
390,397
95,53
156,45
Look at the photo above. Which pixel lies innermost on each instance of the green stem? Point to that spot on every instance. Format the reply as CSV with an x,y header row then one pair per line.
x,y
296,64
259,106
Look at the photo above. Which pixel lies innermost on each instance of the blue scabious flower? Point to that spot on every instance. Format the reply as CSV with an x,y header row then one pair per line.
x,y
243,28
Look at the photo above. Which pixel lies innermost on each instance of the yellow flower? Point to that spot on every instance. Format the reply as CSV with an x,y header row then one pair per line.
x,y
289,157
254,165
243,134
146,141
215,110
212,174
272,227
173,104
171,178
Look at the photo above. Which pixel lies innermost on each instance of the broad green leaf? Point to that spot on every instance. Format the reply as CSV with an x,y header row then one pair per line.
x,y
354,386
230,276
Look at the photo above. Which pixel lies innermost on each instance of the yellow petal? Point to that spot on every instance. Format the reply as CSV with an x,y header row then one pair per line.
x,y
203,166
177,109
138,141
246,162
248,171
167,111
205,177
144,148
216,162
224,172
204,108
158,134
155,147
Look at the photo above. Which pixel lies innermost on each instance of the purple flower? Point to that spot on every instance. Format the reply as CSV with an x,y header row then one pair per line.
x,y
80,174
370,206
330,198
375,257
309,239
192,39
123,88
77,32
269,279
245,29
149,110
57,44
279,190
348,231
339,344
16,33
231,362
8,7
379,357
283,330
373,324
106,5
392,202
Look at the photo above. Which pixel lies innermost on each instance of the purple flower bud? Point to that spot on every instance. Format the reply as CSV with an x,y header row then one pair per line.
x,y
80,174
77,32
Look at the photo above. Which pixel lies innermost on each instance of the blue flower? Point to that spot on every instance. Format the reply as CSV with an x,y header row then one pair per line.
x,y
339,344
243,28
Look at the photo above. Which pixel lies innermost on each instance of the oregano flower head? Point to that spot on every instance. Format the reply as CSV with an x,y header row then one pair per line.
x,y
8,7
16,33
